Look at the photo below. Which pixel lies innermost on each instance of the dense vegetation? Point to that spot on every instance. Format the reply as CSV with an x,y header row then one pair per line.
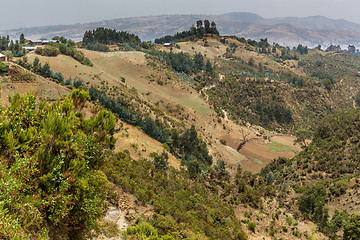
x,y
50,181
95,39
183,208
326,167
201,29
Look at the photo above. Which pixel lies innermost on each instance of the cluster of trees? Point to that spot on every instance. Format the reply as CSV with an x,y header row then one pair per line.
x,y
302,50
269,112
98,47
4,42
351,49
8,45
109,36
202,28
191,149
51,185
184,62
262,44
333,48
286,55
4,67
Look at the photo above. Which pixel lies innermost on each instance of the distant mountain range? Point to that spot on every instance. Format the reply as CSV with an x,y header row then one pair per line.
x,y
288,31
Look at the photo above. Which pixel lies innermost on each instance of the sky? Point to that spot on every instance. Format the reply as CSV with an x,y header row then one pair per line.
x,y
24,13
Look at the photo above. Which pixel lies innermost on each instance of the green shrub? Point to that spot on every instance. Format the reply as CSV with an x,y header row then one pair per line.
x,y
52,159
251,226
49,50
4,67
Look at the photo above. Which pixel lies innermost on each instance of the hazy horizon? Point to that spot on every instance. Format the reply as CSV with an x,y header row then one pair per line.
x,y
45,12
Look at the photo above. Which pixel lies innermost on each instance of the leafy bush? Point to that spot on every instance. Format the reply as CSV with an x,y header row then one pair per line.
x,y
4,67
52,159
49,50
251,226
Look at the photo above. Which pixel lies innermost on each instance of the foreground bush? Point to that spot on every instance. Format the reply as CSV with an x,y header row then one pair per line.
x,y
50,185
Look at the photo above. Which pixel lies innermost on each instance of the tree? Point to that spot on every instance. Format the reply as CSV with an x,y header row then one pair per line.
x,y
270,178
302,135
207,26
352,228
193,168
4,67
251,62
79,98
45,70
161,161
357,99
213,28
199,24
36,65
22,39
208,67
351,49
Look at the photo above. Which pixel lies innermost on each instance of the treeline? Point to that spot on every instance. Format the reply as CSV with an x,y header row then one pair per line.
x,y
351,49
126,113
201,29
106,36
42,70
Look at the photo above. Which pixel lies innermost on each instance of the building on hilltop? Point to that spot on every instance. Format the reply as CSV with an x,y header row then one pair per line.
x,y
3,58
168,45
30,48
41,42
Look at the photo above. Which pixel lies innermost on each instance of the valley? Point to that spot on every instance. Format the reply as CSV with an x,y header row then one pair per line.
x,y
214,137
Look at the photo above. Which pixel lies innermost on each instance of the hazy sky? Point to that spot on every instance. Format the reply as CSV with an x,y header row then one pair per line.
x,y
24,13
